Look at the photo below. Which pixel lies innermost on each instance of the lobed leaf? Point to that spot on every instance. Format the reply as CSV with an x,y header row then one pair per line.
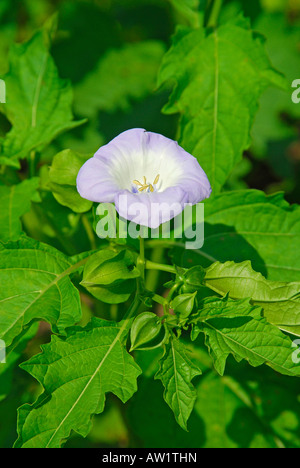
x,y
283,49
219,76
238,328
15,202
35,285
76,373
280,301
38,101
250,225
131,73
176,373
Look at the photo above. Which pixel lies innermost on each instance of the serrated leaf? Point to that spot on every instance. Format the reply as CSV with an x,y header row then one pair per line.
x,y
15,201
283,48
219,75
280,301
131,73
62,180
238,328
250,225
76,373
248,407
176,373
35,285
12,355
38,103
269,226
212,307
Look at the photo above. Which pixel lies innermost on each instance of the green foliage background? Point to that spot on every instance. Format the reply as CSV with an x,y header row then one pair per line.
x,y
79,72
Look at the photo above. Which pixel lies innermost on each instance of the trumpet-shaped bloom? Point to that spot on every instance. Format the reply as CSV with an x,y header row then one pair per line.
x,y
143,172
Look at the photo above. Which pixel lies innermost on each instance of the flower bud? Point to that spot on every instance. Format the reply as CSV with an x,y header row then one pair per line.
x,y
147,332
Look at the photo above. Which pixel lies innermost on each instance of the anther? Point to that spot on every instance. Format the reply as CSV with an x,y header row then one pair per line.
x,y
144,186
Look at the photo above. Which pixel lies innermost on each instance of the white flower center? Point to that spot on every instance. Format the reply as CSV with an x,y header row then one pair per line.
x,y
151,171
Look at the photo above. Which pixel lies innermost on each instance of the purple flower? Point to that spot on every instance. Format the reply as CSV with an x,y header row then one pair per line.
x,y
143,172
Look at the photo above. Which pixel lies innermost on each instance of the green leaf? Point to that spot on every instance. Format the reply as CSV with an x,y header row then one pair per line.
x,y
13,354
15,201
63,174
76,373
248,407
283,48
212,307
249,225
110,275
239,329
131,73
219,76
38,102
36,286
280,301
176,372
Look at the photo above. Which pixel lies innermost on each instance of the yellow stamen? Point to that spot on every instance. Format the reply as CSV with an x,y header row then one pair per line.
x,y
156,179
144,186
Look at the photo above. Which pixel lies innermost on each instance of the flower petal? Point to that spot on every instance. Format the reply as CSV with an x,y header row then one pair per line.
x,y
151,209
134,157
95,182
136,153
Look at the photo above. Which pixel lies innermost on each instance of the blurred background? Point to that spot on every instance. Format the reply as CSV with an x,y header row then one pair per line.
x,y
111,51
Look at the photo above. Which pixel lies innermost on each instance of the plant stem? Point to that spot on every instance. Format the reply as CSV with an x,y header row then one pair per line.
x,y
157,256
89,231
169,244
214,12
131,312
159,299
32,164
142,258
159,266
114,312
171,292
